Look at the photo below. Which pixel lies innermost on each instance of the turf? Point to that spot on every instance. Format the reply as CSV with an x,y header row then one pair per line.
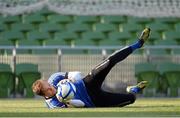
x,y
142,107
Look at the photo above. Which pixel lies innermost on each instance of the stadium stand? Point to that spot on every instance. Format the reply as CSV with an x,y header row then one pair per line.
x,y
27,73
2,27
78,28
118,21
155,36
23,27
27,43
46,28
9,20
34,19
132,28
95,37
105,28
13,35
173,35
39,36
171,22
50,28
68,37
122,37
45,12
160,27
60,19
140,21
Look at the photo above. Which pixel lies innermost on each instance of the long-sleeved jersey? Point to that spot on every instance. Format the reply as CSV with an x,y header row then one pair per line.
x,y
53,80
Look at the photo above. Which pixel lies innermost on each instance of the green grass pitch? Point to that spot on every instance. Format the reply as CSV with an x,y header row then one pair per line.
x,y
142,107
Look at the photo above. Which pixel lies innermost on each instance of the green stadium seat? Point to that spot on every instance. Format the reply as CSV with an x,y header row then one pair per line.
x,y
141,21
6,81
51,28
13,36
122,37
177,27
169,21
45,12
68,37
34,51
86,19
34,19
83,42
2,27
23,27
90,20
148,72
159,27
9,20
55,42
52,43
113,19
163,51
39,36
105,28
27,73
61,19
78,28
133,28
173,35
155,36
116,20
109,42
171,72
96,37
166,43
6,43
27,43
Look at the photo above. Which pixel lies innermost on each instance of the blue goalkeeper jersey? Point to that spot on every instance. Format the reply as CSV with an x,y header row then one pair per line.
x,y
81,93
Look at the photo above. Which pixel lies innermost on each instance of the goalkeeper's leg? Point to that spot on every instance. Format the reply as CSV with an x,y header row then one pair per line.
x,y
106,99
96,77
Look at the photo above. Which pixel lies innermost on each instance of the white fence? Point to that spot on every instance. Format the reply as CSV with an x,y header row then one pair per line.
x,y
122,74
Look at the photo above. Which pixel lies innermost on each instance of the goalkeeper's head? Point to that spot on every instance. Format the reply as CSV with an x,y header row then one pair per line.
x,y
43,88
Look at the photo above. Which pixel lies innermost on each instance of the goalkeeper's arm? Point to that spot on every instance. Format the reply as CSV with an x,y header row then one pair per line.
x,y
75,103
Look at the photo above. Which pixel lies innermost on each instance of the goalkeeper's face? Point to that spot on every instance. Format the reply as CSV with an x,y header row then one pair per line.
x,y
49,90
43,88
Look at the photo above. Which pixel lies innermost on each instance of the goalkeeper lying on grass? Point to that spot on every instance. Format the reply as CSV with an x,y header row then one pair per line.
x,y
88,88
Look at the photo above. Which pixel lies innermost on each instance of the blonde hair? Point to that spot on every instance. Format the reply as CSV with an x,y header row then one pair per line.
x,y
37,87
